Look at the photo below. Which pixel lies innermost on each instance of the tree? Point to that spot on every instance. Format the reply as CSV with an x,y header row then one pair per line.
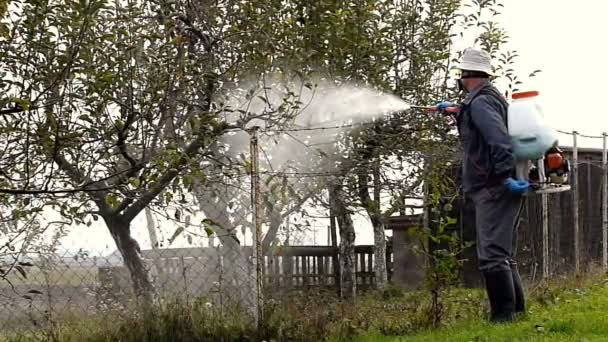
x,y
116,104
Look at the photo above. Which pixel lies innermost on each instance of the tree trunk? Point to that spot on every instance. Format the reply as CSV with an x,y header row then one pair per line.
x,y
278,215
334,240
276,219
348,276
133,260
372,207
151,229
380,272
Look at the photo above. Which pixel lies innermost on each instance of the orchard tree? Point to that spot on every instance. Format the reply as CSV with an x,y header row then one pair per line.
x,y
116,104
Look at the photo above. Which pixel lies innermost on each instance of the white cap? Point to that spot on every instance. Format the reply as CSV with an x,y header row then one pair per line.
x,y
476,60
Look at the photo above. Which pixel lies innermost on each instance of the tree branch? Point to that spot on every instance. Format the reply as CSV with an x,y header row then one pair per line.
x,y
157,187
399,202
98,195
276,218
49,192
122,133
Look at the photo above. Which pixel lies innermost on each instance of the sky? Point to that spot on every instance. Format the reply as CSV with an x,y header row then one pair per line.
x,y
564,39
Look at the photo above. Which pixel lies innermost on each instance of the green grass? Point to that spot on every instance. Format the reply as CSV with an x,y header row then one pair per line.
x,y
577,315
564,310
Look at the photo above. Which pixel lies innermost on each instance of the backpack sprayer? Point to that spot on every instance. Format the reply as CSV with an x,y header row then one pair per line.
x,y
535,145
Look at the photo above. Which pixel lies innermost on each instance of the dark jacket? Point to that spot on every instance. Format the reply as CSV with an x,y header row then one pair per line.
x,y
487,151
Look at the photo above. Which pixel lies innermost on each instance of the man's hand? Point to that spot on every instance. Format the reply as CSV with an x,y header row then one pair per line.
x,y
446,107
517,187
443,105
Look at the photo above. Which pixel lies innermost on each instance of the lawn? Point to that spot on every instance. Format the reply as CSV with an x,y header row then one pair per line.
x,y
576,315
565,309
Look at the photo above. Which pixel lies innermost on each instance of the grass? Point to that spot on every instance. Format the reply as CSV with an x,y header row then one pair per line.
x,y
568,314
563,310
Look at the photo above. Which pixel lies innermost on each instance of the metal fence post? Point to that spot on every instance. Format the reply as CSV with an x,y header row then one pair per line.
x,y
575,200
257,224
605,202
545,213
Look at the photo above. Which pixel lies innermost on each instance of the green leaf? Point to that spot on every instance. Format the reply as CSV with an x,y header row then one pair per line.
x,y
120,125
209,225
96,6
21,271
263,99
112,200
135,182
176,234
168,197
248,166
85,117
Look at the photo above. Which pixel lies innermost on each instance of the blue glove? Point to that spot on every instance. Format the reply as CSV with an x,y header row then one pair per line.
x,y
442,105
517,187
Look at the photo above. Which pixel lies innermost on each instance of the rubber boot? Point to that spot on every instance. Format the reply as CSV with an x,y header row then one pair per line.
x,y
501,294
520,295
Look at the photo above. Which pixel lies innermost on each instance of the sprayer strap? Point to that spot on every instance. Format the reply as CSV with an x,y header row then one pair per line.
x,y
491,91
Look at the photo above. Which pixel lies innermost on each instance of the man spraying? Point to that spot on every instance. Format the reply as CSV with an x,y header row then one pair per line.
x,y
489,180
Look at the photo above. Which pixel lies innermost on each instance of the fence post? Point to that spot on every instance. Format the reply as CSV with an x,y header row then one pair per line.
x,y
545,211
605,202
257,224
334,242
575,200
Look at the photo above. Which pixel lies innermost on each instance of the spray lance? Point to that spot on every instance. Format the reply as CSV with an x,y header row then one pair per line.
x,y
449,112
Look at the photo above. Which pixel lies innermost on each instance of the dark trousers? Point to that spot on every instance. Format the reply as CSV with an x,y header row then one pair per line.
x,y
497,216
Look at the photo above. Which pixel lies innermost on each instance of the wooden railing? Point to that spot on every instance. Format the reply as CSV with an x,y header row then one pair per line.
x,y
306,266
290,267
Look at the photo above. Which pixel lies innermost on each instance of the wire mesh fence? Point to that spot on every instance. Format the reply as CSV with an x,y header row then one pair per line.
x,y
230,270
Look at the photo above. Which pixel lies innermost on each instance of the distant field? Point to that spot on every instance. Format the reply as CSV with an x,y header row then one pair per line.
x,y
69,276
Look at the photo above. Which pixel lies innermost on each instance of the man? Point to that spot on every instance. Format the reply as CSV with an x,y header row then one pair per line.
x,y
488,179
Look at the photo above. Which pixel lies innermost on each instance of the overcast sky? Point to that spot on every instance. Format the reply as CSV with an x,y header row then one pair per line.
x,y
567,40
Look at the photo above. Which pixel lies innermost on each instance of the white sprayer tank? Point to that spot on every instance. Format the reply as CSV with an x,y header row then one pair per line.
x,y
530,134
